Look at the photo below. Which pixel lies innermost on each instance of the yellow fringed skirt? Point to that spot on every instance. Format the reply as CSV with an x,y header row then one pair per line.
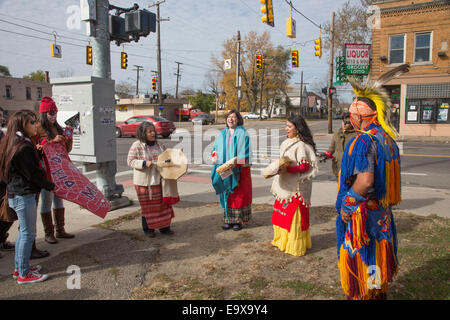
x,y
294,242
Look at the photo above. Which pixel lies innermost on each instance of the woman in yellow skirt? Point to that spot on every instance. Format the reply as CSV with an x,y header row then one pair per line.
x,y
292,188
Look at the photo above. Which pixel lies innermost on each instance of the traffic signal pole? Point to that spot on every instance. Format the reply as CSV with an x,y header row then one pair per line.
x,y
330,80
105,171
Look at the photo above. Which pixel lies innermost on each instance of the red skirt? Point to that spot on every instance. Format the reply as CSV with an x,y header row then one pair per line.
x,y
283,212
157,213
242,195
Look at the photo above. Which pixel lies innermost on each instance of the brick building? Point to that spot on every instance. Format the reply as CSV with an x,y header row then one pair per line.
x,y
415,32
20,93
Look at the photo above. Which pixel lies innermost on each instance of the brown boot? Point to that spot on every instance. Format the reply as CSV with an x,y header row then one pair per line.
x,y
49,229
59,224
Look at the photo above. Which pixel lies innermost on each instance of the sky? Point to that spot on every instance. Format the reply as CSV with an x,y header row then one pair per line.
x,y
196,30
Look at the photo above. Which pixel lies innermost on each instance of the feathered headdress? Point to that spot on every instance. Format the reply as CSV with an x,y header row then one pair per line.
x,y
376,93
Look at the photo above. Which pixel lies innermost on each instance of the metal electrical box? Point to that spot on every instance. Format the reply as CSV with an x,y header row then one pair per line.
x,y
93,98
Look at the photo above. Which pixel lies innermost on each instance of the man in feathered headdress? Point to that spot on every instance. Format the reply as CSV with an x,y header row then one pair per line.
x,y
369,185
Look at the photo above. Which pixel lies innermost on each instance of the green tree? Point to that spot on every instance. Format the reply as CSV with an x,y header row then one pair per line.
x,y
203,101
38,75
4,71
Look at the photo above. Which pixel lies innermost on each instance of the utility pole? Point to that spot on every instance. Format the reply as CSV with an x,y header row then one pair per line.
x,y
178,77
238,74
138,68
262,85
301,92
158,30
330,80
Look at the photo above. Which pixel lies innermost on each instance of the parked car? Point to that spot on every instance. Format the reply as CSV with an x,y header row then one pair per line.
x,y
187,114
204,118
254,116
129,127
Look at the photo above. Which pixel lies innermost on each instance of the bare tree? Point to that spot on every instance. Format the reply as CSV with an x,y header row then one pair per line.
x,y
67,73
350,26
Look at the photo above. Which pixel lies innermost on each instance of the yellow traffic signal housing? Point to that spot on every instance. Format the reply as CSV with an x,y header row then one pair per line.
x,y
318,47
294,58
123,60
154,84
89,55
259,61
267,9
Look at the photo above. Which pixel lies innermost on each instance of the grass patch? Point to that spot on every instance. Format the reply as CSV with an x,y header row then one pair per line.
x,y
163,287
111,224
241,295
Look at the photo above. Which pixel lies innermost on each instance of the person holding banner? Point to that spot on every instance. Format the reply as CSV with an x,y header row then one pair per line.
x,y
292,188
231,176
142,157
49,131
19,166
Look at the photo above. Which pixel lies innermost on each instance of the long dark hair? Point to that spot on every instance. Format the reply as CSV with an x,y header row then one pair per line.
x,y
303,130
13,140
45,124
140,133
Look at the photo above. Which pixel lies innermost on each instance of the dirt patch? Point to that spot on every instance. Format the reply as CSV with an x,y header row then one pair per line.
x,y
202,261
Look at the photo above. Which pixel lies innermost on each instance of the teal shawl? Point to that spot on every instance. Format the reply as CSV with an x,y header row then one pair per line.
x,y
239,147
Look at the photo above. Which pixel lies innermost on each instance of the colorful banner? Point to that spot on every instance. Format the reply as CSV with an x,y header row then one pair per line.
x,y
70,183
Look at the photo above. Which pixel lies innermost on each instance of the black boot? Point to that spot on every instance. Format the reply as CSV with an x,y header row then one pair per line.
x,y
38,254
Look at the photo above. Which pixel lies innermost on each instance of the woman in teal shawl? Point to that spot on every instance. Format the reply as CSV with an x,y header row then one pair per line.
x,y
235,190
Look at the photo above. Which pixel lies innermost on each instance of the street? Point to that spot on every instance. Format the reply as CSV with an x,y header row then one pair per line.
x,y
425,165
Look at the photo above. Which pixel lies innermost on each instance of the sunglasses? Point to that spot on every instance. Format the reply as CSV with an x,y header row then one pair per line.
x,y
52,112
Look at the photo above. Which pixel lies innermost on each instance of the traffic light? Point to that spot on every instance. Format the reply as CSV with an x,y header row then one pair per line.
x,y
318,47
267,9
294,58
332,91
259,61
89,55
123,60
154,84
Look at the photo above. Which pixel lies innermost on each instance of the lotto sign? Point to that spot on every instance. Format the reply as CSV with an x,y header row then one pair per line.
x,y
70,183
357,58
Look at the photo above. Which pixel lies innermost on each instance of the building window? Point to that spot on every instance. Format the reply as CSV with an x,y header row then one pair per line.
x,y
427,111
39,93
8,93
397,48
423,47
28,93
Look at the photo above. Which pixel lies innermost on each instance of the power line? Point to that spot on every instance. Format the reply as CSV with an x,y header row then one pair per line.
x,y
292,6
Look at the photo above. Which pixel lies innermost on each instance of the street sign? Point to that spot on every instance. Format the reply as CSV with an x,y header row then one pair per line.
x,y
161,107
340,69
55,51
338,83
357,58
227,64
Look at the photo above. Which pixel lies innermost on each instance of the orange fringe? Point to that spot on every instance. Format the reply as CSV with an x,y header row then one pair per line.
x,y
362,272
393,195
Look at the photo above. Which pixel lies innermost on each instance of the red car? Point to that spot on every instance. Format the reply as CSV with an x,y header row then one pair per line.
x,y
129,127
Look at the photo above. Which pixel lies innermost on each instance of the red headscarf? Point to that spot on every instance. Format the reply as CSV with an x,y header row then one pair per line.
x,y
47,104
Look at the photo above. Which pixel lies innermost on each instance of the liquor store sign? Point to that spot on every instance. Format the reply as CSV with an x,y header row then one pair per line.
x,y
357,58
